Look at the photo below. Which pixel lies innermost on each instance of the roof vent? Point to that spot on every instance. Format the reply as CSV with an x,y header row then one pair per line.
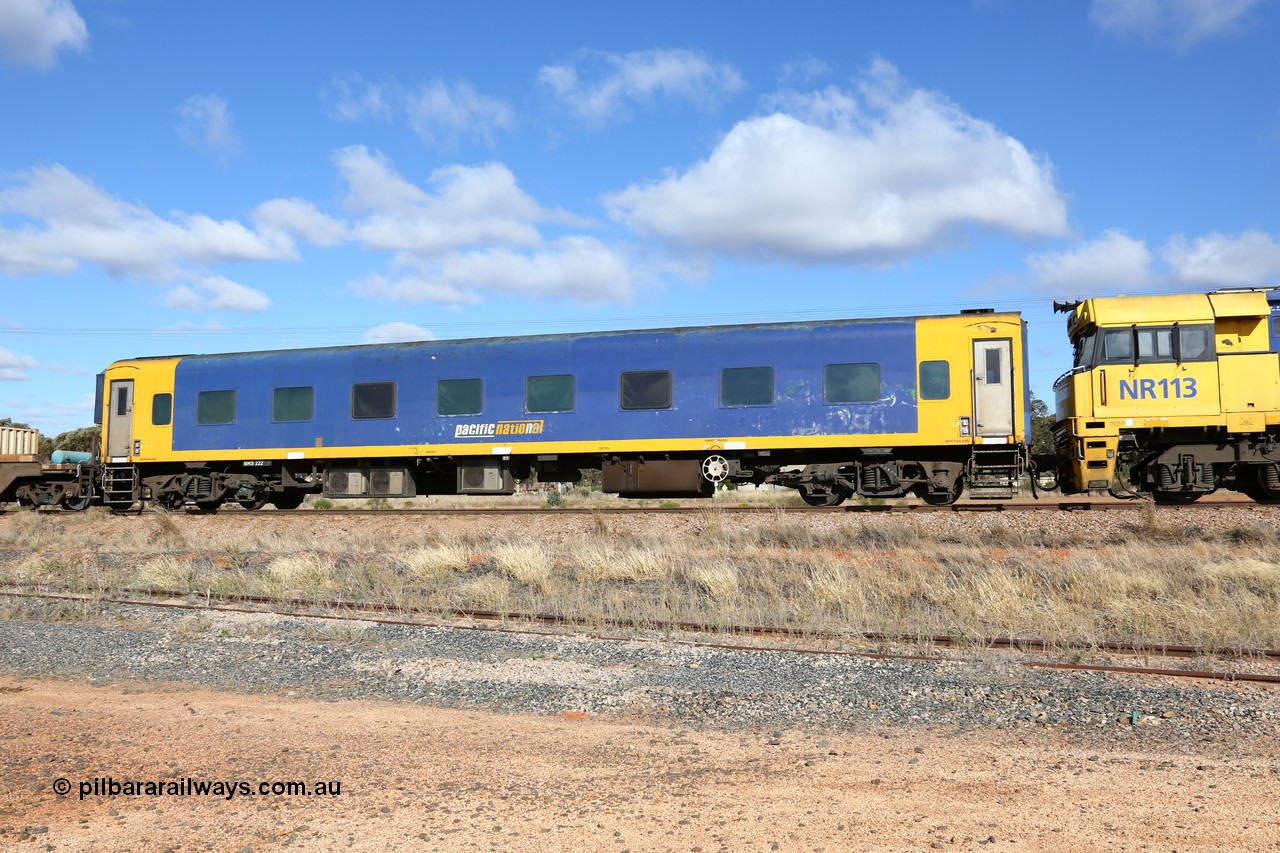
x,y
978,311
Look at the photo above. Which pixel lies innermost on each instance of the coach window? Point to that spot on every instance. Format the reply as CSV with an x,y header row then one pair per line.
x,y
293,404
851,383
746,386
216,407
162,410
646,389
548,394
459,397
373,400
935,380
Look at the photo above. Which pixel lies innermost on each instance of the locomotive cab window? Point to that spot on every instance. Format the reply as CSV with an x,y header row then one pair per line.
x,y
293,404
646,389
1117,345
1084,346
851,383
548,394
935,380
1157,344
459,397
1195,343
746,386
373,400
162,410
216,407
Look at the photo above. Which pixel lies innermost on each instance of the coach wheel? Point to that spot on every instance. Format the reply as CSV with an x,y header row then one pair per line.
x,y
715,469
817,496
287,500
253,503
943,499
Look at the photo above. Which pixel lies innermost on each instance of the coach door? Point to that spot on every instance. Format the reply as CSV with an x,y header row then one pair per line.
x,y
993,388
120,419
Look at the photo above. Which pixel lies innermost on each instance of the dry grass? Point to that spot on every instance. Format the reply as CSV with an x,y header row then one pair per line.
x,y
1157,583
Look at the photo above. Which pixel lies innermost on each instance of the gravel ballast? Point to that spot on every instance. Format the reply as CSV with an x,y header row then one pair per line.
x,y
652,680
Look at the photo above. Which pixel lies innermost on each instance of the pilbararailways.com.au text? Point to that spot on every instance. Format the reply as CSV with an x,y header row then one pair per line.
x,y
107,786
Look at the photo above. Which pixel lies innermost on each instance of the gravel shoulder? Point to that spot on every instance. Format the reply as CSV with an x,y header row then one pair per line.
x,y
471,740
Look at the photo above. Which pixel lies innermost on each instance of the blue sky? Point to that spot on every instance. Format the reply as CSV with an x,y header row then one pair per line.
x,y
179,177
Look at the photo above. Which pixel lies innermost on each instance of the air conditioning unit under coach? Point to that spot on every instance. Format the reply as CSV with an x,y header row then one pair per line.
x,y
485,480
369,483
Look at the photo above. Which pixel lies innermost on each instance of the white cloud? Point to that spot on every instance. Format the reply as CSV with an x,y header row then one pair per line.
x,y
14,366
472,206
471,231
1114,261
216,293
803,69
1181,22
206,125
437,111
293,217
583,269
599,87
397,332
32,32
867,177
349,97
70,221
1118,263
1221,260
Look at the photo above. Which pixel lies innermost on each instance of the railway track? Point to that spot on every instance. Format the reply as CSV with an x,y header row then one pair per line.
x,y
527,623
1042,506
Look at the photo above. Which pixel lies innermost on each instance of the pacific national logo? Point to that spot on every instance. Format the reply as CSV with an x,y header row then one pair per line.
x,y
497,429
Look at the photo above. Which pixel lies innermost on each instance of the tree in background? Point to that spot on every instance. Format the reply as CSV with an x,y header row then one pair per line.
x,y
87,439
1041,428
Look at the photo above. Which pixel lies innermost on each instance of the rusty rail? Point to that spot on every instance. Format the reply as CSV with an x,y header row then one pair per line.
x,y
360,611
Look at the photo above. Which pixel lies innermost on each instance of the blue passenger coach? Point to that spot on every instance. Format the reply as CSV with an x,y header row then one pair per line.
x,y
873,407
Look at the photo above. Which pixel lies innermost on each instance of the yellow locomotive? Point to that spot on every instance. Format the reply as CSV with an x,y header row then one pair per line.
x,y
1181,390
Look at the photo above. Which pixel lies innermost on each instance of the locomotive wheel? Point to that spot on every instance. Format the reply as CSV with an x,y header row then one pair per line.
x,y
254,503
1252,485
287,500
78,503
208,507
834,497
1176,498
171,501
